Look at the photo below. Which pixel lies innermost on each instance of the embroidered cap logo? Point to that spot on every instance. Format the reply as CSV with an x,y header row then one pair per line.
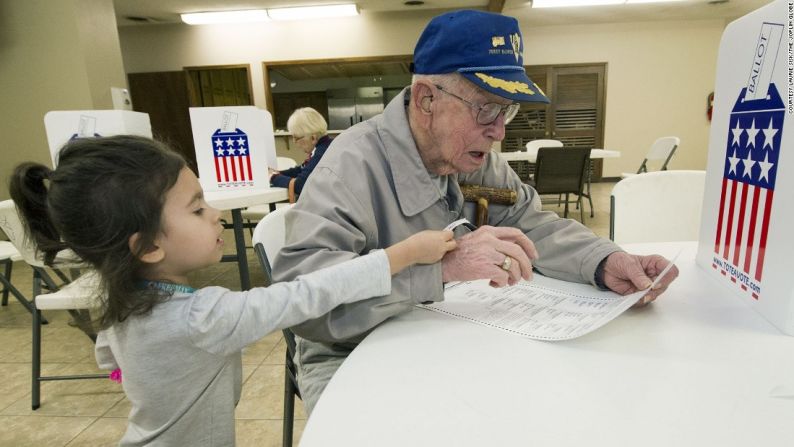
x,y
515,40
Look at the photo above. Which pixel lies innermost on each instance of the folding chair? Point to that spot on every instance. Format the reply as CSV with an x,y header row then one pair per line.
x,y
658,206
268,239
535,145
562,171
74,297
661,149
12,227
9,254
78,298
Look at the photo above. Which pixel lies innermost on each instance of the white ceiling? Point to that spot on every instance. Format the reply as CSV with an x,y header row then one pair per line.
x,y
167,11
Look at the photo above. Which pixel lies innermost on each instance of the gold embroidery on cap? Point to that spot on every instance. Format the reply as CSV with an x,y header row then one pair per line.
x,y
497,41
508,86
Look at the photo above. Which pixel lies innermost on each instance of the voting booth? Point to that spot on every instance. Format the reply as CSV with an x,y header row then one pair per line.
x,y
234,147
747,228
62,126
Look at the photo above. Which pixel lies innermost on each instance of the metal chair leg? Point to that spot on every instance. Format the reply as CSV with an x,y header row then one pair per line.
x,y
589,195
289,410
7,276
566,205
39,275
35,392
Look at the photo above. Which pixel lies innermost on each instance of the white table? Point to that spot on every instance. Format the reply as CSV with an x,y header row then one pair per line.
x,y
234,200
532,155
696,368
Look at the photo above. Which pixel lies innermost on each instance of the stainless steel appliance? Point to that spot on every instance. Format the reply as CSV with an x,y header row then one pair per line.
x,y
353,105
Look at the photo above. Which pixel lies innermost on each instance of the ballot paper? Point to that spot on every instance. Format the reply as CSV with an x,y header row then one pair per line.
x,y
541,309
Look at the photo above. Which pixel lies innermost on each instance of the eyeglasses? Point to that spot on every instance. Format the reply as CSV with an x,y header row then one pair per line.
x,y
490,111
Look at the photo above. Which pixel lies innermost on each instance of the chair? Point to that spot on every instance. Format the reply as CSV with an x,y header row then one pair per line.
x,y
661,149
12,227
73,297
562,171
483,196
9,254
535,145
78,298
268,239
256,212
658,206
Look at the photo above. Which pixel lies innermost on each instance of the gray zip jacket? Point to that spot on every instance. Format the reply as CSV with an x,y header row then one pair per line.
x,y
371,190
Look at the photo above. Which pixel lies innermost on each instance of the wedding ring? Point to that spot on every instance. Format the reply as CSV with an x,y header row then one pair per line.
x,y
507,263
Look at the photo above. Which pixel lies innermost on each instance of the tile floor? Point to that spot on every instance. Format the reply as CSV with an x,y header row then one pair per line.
x,y
93,412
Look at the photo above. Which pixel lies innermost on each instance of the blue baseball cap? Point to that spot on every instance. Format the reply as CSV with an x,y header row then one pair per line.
x,y
486,48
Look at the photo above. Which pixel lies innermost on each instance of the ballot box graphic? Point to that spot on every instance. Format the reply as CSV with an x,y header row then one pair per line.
x,y
748,189
746,240
232,160
62,126
234,146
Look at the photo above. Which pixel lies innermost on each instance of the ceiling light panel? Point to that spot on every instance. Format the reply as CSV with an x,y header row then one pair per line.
x,y
208,18
313,12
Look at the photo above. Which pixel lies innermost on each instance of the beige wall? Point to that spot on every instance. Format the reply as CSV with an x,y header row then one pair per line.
x,y
172,47
56,55
659,73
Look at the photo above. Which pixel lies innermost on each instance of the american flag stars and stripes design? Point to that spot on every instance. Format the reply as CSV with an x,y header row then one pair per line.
x,y
232,158
747,190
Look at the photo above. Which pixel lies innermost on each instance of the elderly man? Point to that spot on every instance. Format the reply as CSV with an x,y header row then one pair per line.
x,y
399,173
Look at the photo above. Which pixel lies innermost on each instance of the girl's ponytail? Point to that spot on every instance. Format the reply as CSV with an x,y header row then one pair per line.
x,y
28,188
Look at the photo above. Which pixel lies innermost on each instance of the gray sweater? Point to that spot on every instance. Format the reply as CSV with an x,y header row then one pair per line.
x,y
181,363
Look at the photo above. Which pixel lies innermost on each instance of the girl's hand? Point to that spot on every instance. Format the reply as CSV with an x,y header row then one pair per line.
x,y
429,246
425,247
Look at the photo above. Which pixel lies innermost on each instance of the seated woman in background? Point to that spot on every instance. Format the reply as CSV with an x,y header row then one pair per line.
x,y
310,133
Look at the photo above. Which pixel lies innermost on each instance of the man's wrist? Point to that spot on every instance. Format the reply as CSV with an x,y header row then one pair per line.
x,y
598,277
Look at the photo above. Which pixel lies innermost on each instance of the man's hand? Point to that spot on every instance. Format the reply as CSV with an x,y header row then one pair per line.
x,y
625,273
502,255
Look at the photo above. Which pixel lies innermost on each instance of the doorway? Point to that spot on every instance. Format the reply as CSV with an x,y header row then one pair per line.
x,y
167,95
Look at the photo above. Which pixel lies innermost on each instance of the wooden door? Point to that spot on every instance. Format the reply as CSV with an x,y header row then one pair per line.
x,y
575,115
216,86
163,95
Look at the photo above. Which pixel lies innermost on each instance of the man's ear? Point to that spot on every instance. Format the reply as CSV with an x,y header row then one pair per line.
x,y
151,255
422,97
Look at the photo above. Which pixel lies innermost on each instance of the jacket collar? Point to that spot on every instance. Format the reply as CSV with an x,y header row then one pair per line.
x,y
416,191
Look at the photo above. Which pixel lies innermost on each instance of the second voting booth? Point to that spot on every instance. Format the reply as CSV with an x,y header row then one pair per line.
x,y
64,125
234,147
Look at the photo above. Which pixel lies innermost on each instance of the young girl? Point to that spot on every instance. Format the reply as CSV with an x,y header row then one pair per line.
x,y
136,213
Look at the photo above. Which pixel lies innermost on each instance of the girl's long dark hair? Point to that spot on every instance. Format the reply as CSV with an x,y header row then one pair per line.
x,y
103,191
